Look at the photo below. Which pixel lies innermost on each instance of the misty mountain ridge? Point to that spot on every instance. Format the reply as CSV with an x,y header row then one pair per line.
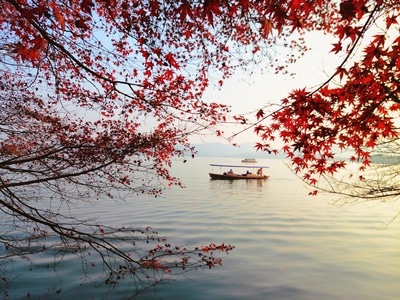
x,y
248,150
243,150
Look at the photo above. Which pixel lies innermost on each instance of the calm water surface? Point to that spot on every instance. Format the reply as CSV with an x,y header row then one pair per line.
x,y
288,245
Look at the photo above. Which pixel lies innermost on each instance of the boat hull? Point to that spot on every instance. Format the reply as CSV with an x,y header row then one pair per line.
x,y
237,176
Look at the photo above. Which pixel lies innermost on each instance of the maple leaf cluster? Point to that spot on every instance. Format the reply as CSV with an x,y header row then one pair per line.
x,y
107,82
353,115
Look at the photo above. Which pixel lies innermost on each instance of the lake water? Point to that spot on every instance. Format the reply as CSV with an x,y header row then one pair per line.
x,y
288,245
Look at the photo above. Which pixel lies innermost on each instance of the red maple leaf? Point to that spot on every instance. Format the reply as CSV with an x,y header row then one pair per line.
x,y
171,60
260,114
337,47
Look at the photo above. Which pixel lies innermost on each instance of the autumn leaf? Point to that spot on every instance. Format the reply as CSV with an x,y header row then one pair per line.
x,y
266,27
390,20
258,129
337,47
211,8
58,15
171,60
341,72
184,11
260,114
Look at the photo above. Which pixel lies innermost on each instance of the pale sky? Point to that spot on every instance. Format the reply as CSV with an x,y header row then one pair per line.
x,y
250,94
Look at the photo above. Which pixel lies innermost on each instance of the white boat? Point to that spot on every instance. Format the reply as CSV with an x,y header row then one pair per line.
x,y
249,160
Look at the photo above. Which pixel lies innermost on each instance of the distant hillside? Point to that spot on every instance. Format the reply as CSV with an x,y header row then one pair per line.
x,y
385,159
245,150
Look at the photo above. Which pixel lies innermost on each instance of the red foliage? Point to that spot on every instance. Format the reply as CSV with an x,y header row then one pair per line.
x,y
356,114
138,69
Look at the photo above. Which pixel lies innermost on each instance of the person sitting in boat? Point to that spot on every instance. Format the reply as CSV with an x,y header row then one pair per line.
x,y
230,172
260,172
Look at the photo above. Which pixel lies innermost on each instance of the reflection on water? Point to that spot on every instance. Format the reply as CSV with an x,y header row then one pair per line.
x,y
288,245
248,186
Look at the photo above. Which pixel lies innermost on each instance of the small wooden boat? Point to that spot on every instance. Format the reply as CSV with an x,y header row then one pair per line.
x,y
230,175
249,160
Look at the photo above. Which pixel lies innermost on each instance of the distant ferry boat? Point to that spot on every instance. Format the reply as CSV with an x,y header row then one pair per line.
x,y
249,160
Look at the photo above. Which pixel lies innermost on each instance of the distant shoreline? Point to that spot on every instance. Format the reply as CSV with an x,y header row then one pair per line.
x,y
244,150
